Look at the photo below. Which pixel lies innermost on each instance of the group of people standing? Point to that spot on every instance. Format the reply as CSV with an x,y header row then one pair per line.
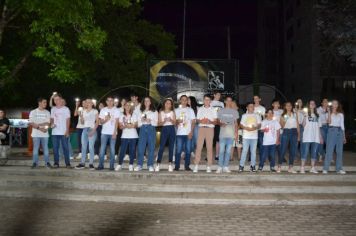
x,y
131,127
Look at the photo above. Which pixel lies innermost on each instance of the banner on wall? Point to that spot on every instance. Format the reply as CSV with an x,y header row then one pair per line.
x,y
173,78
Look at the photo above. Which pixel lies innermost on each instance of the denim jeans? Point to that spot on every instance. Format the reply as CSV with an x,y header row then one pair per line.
x,y
268,151
98,140
313,147
246,145
147,137
85,140
335,140
195,137
289,138
60,141
127,143
301,130
79,139
168,133
323,133
37,141
260,142
183,142
225,151
70,150
105,138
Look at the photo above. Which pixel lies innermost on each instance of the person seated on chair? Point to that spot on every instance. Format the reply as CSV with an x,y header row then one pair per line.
x,y
4,126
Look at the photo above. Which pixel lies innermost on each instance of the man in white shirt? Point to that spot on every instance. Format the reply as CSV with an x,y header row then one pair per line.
x,y
40,120
217,105
323,117
185,119
60,123
250,123
109,118
260,111
135,101
207,117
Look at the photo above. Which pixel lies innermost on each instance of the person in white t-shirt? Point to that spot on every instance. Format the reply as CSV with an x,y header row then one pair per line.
x,y
77,113
270,128
185,120
207,117
217,104
277,112
323,116
89,120
109,119
40,120
60,123
260,111
336,137
134,100
250,123
128,124
166,119
311,137
147,121
299,110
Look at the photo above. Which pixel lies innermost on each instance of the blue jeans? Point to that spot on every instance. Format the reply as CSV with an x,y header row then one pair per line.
x,y
324,133
260,142
147,137
79,139
105,138
37,141
97,142
85,140
289,138
60,141
183,142
246,145
301,130
168,133
313,147
70,150
335,140
268,151
195,137
225,151
127,143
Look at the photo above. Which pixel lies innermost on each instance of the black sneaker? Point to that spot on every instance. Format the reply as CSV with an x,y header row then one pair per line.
x,y
48,165
241,168
260,168
273,170
100,168
112,169
80,166
55,165
69,167
216,158
253,168
91,167
188,169
34,166
176,169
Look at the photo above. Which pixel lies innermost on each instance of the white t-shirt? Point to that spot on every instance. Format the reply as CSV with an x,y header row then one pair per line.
x,y
301,115
229,117
337,120
217,105
137,109
250,120
38,116
89,118
291,121
277,114
209,113
311,133
79,124
129,133
152,115
272,127
323,115
187,115
60,116
260,110
109,126
166,115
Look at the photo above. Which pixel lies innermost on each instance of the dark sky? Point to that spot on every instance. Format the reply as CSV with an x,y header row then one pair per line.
x,y
206,27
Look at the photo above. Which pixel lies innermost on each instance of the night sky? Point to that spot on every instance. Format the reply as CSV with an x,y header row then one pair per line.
x,y
206,27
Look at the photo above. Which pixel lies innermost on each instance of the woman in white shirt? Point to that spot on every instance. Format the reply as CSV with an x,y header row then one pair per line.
x,y
77,113
167,120
311,137
129,136
89,120
290,136
335,137
300,113
147,121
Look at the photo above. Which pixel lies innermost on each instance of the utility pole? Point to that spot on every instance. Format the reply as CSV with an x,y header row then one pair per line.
x,y
183,40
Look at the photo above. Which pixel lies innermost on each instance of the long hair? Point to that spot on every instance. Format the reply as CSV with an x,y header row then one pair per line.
x,y
151,108
163,108
131,110
339,107
309,110
285,109
193,104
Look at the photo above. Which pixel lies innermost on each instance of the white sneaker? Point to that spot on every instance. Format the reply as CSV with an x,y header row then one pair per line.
x,y
341,172
157,168
208,169
127,157
325,172
151,169
131,168
218,171
196,169
170,168
302,170
226,170
138,168
96,157
292,171
79,156
313,170
118,168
